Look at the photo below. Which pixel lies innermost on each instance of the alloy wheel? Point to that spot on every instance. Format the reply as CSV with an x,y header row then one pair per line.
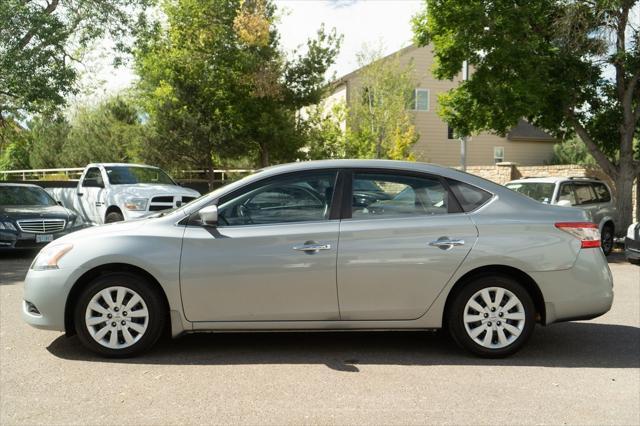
x,y
117,317
494,317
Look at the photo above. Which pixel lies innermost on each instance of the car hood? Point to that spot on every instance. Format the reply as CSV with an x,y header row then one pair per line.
x,y
150,190
34,212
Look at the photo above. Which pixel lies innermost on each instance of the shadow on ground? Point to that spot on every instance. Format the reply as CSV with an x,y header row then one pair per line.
x,y
14,265
575,344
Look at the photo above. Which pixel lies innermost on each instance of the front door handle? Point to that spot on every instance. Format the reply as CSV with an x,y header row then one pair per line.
x,y
98,204
445,243
311,247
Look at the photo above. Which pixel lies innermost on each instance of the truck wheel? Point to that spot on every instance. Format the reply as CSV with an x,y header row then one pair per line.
x,y
113,217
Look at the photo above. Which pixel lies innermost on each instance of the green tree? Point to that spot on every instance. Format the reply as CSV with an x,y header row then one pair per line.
x,y
572,151
40,42
216,85
379,123
324,133
48,135
109,132
14,146
569,67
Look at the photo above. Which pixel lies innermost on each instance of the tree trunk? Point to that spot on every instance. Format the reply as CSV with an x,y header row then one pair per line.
x,y
624,190
264,156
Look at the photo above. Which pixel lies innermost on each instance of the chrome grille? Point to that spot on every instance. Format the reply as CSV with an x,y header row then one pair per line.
x,y
185,200
42,226
162,202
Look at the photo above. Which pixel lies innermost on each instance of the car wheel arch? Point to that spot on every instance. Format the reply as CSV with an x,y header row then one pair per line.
x,y
97,271
508,271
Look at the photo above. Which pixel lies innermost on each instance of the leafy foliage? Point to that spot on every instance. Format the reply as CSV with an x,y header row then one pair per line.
x,y
40,42
571,68
380,124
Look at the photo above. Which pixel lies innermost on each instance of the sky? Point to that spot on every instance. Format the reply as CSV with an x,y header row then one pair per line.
x,y
378,23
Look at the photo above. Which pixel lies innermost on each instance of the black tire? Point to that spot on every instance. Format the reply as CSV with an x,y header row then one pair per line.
x,y
606,239
113,217
455,314
155,304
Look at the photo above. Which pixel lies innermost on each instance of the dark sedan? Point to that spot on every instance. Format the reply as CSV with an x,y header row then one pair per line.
x,y
30,217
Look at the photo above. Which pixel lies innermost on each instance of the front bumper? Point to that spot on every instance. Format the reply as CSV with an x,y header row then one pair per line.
x,y
632,248
24,240
47,291
584,291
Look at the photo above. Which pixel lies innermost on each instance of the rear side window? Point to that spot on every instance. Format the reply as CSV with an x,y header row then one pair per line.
x,y
602,192
382,195
470,197
584,193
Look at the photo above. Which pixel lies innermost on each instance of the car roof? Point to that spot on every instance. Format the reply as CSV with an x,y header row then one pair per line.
x,y
120,165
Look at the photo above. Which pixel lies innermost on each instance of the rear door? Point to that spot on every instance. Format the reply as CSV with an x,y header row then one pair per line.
x,y
401,240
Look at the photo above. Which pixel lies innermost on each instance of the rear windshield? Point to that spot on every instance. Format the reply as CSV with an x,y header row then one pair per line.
x,y
539,191
24,196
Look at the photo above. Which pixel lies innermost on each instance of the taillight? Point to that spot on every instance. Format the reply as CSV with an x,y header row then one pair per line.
x,y
586,232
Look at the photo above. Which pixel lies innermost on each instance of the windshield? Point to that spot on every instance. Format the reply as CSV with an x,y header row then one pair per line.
x,y
24,196
123,175
539,191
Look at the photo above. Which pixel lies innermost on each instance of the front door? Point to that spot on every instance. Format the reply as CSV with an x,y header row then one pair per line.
x,y
92,194
401,246
272,256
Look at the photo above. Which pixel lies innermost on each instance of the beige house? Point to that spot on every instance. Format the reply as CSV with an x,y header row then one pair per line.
x,y
524,144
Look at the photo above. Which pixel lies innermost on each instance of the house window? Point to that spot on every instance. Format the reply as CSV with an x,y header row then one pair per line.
x,y
498,154
421,100
451,133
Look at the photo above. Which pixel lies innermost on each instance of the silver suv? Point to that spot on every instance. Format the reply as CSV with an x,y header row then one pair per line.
x,y
589,194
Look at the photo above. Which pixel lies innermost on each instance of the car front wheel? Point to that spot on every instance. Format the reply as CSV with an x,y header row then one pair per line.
x,y
119,315
492,317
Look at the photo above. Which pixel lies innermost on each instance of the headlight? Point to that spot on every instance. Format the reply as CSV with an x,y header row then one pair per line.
x,y
135,203
49,257
8,225
631,231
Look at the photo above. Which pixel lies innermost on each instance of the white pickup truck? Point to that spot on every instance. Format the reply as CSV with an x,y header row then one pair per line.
x,y
111,192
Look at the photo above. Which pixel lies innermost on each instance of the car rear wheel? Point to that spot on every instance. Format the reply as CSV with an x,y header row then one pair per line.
x,y
492,317
606,239
119,315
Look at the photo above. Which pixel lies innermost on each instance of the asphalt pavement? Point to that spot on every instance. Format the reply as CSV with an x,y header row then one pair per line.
x,y
585,373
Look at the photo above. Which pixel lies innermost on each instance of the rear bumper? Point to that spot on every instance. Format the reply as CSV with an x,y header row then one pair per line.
x,y
584,291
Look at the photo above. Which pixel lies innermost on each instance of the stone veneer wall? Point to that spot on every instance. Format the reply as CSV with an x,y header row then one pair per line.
x,y
504,172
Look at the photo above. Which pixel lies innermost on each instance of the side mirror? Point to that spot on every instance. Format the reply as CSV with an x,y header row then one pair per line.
x,y
564,203
209,215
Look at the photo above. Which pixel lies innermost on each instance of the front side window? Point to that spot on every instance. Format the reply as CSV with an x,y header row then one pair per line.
x,y
584,193
93,178
299,198
125,175
24,196
602,192
382,195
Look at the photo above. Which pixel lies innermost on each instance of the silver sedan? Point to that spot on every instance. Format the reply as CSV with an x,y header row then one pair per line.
x,y
328,245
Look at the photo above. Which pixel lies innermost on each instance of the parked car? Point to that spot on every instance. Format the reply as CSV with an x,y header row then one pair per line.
x,y
112,192
632,243
31,218
473,256
588,194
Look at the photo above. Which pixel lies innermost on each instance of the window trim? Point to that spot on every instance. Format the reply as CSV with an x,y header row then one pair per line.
x,y
415,99
347,198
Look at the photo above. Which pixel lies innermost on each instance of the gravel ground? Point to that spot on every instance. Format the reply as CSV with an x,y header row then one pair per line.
x,y
571,373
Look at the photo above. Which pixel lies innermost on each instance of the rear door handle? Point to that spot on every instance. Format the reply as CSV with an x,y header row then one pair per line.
x,y
444,243
312,247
